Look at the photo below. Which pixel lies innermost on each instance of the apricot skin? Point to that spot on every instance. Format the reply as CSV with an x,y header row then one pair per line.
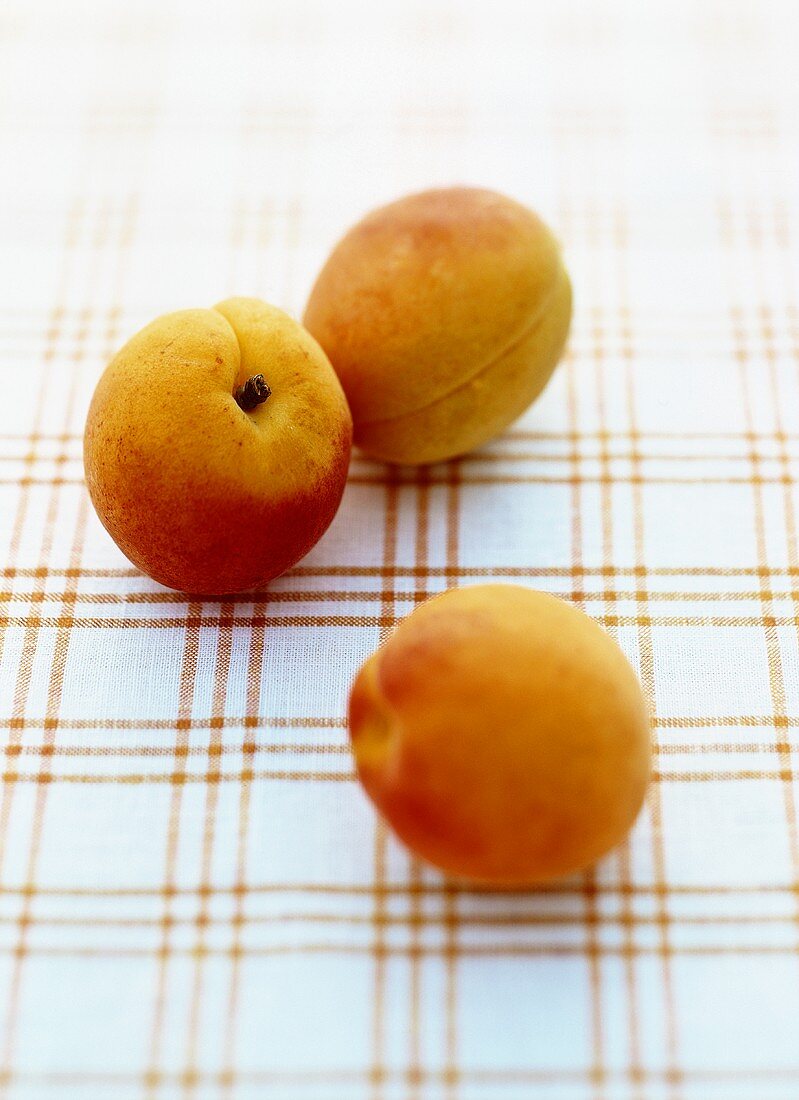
x,y
444,315
199,494
503,735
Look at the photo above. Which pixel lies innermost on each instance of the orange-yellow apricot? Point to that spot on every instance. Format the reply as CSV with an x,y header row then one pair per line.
x,y
217,445
503,735
444,315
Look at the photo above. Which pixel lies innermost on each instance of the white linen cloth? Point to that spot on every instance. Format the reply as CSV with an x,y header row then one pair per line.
x,y
196,899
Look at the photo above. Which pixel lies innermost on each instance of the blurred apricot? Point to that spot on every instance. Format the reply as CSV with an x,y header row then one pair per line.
x,y
503,734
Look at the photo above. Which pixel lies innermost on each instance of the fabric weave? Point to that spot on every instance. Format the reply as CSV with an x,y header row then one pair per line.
x,y
196,900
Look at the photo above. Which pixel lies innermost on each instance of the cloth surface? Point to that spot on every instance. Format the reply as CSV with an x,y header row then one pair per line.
x,y
196,899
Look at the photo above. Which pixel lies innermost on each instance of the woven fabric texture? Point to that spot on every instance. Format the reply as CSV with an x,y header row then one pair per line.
x,y
196,899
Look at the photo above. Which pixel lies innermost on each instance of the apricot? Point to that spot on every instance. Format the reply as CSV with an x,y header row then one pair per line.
x,y
503,735
444,315
217,445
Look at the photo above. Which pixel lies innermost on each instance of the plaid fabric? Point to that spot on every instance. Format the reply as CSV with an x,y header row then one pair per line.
x,y
196,900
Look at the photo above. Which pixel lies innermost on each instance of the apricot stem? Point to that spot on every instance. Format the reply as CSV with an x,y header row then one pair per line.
x,y
254,392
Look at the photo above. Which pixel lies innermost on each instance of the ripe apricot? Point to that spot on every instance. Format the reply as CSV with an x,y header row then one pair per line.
x,y
444,315
503,735
217,445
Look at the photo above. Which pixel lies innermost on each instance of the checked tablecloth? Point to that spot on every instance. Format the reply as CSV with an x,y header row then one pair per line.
x,y
196,900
